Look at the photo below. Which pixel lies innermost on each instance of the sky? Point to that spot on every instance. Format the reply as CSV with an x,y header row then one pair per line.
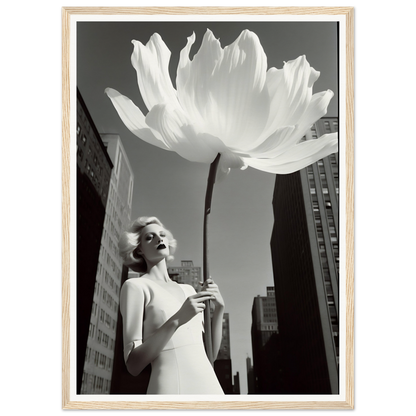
x,y
172,188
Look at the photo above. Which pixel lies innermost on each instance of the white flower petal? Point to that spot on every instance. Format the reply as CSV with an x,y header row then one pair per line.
x,y
274,145
133,118
239,103
298,156
317,108
194,78
151,63
181,136
290,91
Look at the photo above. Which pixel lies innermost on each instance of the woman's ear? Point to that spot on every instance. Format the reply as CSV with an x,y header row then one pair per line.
x,y
137,253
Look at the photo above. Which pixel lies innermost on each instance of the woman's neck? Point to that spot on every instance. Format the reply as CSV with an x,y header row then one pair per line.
x,y
158,272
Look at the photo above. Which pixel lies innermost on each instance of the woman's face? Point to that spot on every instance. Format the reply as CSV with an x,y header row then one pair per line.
x,y
154,244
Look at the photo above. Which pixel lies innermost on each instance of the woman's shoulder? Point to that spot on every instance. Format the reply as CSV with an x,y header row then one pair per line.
x,y
135,288
135,283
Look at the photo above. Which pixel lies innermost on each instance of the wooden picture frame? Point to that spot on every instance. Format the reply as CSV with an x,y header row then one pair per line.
x,y
345,400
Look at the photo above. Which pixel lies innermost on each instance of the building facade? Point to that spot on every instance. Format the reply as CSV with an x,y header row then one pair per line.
x,y
267,372
186,273
99,356
223,363
305,256
94,168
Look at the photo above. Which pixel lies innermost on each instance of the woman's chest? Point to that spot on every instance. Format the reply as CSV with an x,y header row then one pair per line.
x,y
163,303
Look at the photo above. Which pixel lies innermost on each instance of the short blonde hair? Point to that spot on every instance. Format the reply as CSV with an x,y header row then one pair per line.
x,y
130,241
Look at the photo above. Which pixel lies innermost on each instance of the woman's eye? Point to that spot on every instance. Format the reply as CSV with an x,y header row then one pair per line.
x,y
149,237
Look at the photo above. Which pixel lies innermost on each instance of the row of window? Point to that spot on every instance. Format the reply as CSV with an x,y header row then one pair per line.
x,y
107,298
95,172
108,278
195,271
101,337
100,360
321,243
109,261
94,384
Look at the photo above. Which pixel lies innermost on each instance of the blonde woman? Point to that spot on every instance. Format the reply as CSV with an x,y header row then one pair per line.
x,y
163,320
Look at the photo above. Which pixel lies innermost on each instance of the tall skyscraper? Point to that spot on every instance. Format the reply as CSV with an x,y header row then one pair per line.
x,y
99,355
236,384
250,377
265,344
223,364
93,180
305,255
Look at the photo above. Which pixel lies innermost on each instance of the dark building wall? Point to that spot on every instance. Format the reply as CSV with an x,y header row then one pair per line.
x,y
93,176
265,341
223,371
305,369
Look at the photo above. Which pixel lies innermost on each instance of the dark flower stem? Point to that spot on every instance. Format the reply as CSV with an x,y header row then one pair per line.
x,y
208,198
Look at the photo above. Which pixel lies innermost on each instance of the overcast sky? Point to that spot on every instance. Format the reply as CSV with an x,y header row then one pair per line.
x,y
172,188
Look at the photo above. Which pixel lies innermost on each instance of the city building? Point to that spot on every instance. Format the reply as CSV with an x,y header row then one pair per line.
x,y
223,364
186,273
305,256
250,377
236,384
99,356
94,168
267,372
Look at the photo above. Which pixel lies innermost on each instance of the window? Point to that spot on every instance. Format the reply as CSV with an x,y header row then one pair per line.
x,y
102,314
327,126
91,331
102,361
118,163
107,320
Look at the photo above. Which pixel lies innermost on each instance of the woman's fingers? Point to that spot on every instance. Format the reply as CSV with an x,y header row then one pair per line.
x,y
202,297
207,283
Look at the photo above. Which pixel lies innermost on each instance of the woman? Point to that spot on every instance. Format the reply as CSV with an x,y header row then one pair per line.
x,y
162,320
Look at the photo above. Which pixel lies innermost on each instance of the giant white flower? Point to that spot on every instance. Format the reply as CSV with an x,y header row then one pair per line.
x,y
227,102
227,108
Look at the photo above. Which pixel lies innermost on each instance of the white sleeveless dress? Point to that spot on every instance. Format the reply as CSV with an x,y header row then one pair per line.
x,y
182,367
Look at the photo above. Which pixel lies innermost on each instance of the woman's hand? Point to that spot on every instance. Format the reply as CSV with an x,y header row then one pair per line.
x,y
212,288
192,306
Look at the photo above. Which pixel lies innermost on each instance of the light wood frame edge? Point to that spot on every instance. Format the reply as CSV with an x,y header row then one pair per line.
x,y
64,300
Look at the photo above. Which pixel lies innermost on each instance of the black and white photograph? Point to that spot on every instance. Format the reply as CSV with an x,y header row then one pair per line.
x,y
209,256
